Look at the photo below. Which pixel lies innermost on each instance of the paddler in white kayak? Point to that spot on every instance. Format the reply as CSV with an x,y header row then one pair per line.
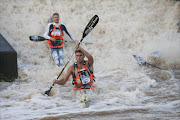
x,y
81,71
53,32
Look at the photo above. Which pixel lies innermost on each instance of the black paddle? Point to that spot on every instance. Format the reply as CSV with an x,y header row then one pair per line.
x,y
92,23
37,38
143,62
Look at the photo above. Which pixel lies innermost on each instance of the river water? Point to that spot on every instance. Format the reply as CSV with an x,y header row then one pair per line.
x,y
126,90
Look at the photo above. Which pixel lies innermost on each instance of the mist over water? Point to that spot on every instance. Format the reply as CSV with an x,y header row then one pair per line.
x,y
125,89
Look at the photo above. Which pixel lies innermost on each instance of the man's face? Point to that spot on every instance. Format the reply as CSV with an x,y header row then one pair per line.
x,y
56,18
79,57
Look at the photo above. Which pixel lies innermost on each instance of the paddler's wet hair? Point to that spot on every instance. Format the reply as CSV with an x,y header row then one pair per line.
x,y
78,51
56,14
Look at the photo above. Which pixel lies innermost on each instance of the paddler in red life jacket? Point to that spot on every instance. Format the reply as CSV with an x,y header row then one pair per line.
x,y
54,32
81,71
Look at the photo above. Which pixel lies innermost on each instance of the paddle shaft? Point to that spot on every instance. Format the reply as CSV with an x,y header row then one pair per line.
x,y
56,40
154,66
40,38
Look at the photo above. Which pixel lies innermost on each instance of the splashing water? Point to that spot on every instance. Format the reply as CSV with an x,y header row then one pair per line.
x,y
125,90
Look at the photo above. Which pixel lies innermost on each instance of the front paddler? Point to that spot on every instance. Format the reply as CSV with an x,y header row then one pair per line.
x,y
81,71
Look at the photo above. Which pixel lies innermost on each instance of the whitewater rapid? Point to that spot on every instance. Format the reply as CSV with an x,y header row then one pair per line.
x,y
125,89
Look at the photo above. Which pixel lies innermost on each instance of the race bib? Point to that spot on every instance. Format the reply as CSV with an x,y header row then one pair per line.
x,y
85,79
57,32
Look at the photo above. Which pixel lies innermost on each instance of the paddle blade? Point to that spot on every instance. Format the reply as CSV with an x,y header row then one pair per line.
x,y
47,92
92,23
139,59
36,38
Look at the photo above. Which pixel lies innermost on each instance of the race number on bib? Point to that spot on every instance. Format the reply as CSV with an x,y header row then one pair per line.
x,y
85,80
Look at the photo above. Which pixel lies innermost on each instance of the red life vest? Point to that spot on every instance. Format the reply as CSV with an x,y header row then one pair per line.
x,y
52,34
81,76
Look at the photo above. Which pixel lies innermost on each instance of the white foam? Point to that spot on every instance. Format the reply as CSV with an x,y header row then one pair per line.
x,y
125,28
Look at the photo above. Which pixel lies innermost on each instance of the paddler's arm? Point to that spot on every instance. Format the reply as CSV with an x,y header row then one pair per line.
x,y
88,55
46,33
65,79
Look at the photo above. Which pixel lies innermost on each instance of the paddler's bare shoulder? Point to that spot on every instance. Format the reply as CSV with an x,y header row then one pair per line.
x,y
71,68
